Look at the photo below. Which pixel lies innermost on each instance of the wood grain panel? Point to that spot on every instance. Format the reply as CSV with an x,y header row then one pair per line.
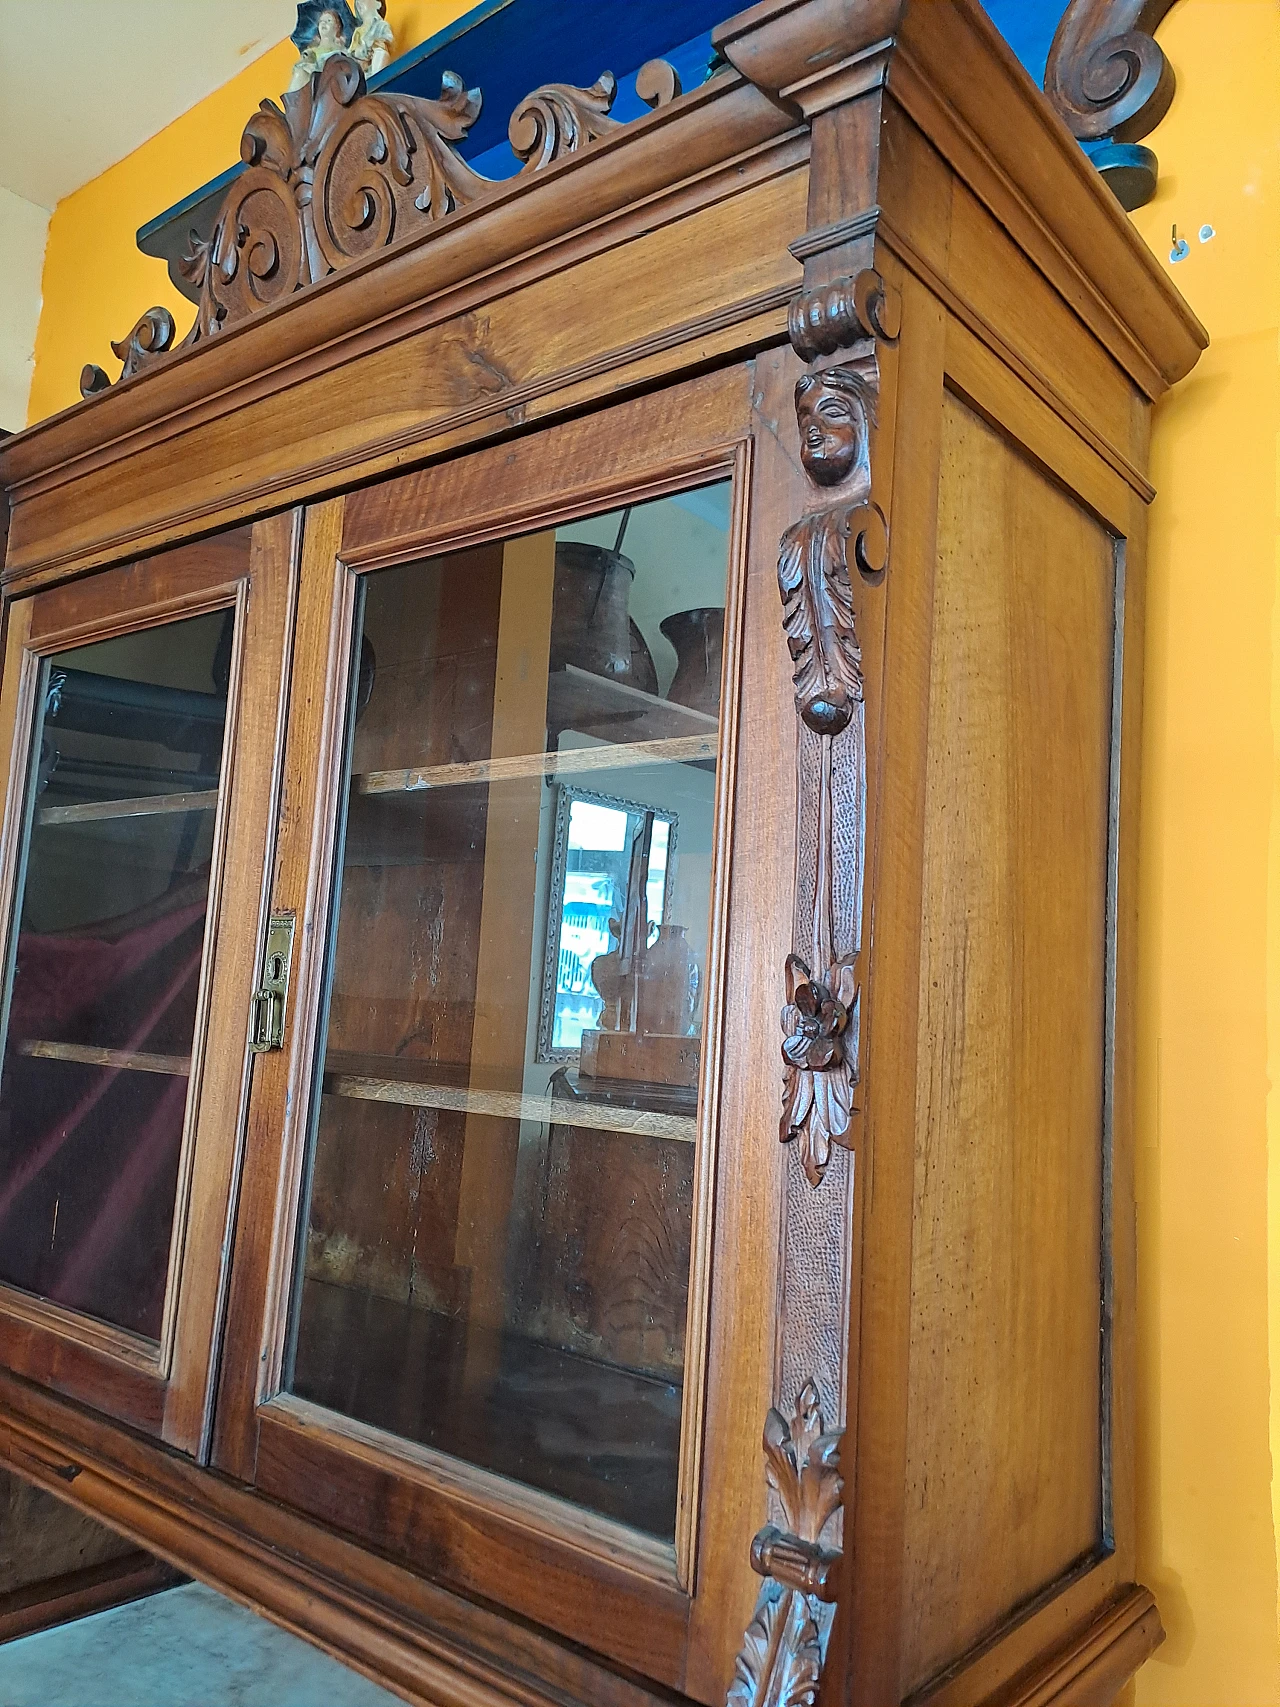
x,y
1004,1459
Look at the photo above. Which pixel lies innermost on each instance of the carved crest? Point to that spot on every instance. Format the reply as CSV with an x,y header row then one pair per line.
x,y
334,174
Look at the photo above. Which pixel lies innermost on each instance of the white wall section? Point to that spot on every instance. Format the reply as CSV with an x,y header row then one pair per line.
x,y
23,229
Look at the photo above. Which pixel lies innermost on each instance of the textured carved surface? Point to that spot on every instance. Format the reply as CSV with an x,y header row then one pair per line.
x,y
557,120
1106,74
830,319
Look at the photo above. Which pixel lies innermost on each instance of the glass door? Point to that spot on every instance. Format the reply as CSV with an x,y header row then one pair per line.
x,y
141,712
482,1328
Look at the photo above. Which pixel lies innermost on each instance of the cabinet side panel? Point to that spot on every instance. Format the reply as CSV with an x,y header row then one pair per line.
x,y
1004,1434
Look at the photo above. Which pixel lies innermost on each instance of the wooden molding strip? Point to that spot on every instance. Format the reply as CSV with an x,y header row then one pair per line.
x,y
1092,1668
969,316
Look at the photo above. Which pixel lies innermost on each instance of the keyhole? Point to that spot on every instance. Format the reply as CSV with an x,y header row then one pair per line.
x,y
275,968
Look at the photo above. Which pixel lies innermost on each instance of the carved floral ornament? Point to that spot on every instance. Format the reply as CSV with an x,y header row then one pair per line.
x,y
335,173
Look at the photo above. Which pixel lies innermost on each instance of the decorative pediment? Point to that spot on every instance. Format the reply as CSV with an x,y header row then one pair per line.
x,y
335,173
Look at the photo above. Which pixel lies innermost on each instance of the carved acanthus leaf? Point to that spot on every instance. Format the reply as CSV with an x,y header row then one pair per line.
x,y
1106,73
780,1661
817,616
802,1465
558,119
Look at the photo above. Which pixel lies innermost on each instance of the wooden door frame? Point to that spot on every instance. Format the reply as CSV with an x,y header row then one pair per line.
x,y
165,1388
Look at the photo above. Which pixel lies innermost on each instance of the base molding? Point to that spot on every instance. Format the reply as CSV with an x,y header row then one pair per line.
x,y
1093,1665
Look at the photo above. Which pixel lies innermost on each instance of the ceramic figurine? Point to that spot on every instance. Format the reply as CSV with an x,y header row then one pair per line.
x,y
323,30
372,43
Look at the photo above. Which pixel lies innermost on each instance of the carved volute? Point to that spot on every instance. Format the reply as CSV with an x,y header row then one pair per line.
x,y
1109,79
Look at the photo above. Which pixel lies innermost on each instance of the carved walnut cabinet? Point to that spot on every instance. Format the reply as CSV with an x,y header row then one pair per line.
x,y
568,889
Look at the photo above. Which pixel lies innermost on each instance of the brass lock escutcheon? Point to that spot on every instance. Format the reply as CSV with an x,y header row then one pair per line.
x,y
266,1012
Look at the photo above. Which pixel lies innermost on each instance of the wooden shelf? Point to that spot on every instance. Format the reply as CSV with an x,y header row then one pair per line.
x,y
393,1084
577,699
677,749
141,806
129,1061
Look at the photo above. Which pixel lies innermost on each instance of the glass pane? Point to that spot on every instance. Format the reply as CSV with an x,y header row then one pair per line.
x,y
101,993
499,1209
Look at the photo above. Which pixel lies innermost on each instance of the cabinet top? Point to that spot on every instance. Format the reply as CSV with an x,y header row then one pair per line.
x,y
356,213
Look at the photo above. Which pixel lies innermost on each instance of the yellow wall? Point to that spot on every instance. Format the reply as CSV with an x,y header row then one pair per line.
x,y
96,283
1209,1140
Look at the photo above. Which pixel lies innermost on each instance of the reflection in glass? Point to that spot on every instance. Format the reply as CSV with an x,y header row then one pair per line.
x,y
498,1219
101,995
592,867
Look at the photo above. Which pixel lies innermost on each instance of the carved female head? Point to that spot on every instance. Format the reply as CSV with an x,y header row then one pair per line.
x,y
833,409
329,29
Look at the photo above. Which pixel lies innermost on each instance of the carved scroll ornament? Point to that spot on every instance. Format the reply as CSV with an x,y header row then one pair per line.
x,y
1106,74
1109,79
781,1657
335,174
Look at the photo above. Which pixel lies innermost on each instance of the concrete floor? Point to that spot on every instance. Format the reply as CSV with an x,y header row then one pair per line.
x,y
187,1647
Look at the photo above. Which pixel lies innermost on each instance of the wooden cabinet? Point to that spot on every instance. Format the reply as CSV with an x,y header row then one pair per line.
x,y
568,869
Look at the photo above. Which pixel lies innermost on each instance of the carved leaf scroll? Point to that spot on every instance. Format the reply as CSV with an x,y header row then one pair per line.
x,y
558,119
818,620
152,335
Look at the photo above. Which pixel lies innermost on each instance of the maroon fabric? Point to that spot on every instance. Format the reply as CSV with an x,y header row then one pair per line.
x,y
59,977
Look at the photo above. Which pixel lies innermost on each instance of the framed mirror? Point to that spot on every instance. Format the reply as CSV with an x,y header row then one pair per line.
x,y
613,864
